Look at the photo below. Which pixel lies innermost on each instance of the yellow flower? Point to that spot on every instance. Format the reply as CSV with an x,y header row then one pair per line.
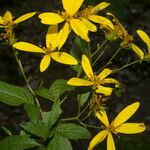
x,y
69,16
76,20
94,80
144,36
52,42
91,14
7,20
120,32
117,126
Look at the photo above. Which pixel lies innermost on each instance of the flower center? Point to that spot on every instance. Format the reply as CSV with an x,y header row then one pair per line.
x,y
48,50
66,16
86,12
8,23
111,128
94,78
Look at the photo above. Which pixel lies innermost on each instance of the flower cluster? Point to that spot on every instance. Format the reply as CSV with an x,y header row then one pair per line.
x,y
101,82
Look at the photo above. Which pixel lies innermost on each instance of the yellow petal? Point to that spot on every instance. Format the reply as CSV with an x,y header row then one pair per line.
x,y
137,50
97,139
45,63
87,66
79,82
107,91
51,36
144,36
89,25
63,35
104,73
50,18
110,142
1,21
131,128
118,23
100,6
80,29
64,58
72,6
24,17
28,47
101,20
8,16
110,81
125,114
102,116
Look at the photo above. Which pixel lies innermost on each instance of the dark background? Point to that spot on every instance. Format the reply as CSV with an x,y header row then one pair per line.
x,y
134,14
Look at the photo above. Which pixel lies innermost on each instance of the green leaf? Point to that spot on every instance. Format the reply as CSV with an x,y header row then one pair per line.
x,y
42,148
17,142
79,48
44,92
14,95
39,128
78,69
56,89
59,87
59,143
82,98
33,111
49,118
72,131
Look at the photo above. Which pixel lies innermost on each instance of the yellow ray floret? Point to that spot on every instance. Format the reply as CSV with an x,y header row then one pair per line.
x,y
100,6
78,20
117,126
144,36
94,80
7,19
50,51
72,6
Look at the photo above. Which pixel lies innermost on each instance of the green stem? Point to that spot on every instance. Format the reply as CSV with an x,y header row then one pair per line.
x,y
69,119
83,111
83,124
118,50
99,48
77,117
87,115
100,54
127,65
25,78
87,125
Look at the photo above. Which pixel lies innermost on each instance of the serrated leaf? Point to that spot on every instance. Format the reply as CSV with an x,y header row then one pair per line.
x,y
56,89
59,87
72,131
39,128
49,118
14,95
17,142
82,98
33,112
44,92
59,143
